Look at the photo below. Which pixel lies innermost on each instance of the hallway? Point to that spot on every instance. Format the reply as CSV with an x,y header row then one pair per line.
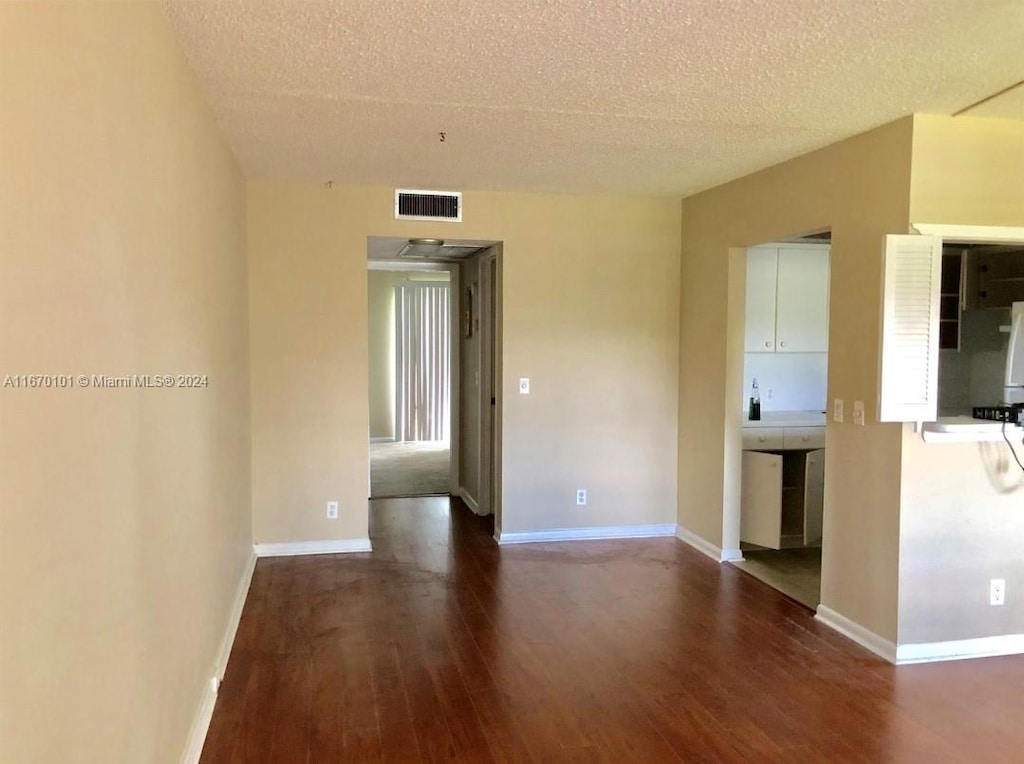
x,y
441,646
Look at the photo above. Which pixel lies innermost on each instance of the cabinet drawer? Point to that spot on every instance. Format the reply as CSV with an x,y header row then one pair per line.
x,y
804,437
762,438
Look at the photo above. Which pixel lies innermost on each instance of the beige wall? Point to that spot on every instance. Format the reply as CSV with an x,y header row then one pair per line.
x,y
381,299
961,523
591,294
125,513
860,189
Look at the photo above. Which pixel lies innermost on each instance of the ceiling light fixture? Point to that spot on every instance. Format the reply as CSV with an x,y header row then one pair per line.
x,y
422,248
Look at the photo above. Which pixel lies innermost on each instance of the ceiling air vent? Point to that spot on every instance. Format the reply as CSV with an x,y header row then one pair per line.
x,y
428,205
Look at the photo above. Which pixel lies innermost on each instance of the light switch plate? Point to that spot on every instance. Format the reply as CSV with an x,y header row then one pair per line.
x,y
837,410
858,413
524,385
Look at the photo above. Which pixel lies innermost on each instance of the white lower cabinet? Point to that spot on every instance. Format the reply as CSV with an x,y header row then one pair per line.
x,y
782,498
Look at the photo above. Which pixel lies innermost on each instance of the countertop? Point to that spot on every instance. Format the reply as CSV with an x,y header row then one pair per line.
x,y
966,429
787,419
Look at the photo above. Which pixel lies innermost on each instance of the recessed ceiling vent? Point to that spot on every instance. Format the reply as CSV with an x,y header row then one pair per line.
x,y
428,205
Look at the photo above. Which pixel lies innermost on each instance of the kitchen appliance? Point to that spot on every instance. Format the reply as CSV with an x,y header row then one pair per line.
x,y
1013,382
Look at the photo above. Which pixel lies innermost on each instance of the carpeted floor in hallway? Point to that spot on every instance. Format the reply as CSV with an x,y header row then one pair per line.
x,y
418,468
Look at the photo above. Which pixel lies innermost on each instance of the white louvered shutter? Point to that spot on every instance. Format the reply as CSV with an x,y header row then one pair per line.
x,y
908,388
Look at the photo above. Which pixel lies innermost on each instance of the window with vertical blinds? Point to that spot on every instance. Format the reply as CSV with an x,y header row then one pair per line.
x,y
423,352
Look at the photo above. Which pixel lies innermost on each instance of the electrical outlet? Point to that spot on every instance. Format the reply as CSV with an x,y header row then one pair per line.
x,y
332,510
837,410
858,413
524,385
997,591
768,396
581,497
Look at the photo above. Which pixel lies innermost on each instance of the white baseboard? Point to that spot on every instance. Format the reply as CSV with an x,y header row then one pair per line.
x,y
585,534
296,548
732,555
201,721
467,497
701,544
961,649
864,637
382,440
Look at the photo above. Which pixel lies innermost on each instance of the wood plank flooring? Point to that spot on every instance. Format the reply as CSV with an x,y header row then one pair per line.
x,y
439,646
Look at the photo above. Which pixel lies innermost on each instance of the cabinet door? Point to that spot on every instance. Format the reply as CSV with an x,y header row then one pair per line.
x,y
801,316
761,499
814,496
762,271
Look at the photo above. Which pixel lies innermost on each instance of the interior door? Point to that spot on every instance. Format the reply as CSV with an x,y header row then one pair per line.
x,y
761,499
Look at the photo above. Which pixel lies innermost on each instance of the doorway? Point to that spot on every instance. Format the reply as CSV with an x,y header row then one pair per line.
x,y
410,382
435,369
783,405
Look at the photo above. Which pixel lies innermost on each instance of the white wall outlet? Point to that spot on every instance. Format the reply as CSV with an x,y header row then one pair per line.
x,y
997,591
837,410
768,394
524,385
581,497
858,413
332,510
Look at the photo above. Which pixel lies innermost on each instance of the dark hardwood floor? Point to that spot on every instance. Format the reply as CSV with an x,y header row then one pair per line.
x,y
439,646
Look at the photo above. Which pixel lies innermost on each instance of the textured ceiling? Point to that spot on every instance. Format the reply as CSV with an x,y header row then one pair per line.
x,y
634,96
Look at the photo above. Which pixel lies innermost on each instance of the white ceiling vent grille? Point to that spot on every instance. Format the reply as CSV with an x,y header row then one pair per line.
x,y
428,205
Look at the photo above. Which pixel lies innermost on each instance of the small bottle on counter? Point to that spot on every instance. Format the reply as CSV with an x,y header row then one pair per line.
x,y
754,410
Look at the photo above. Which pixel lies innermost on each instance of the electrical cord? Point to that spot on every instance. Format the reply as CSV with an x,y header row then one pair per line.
x,y
1012,451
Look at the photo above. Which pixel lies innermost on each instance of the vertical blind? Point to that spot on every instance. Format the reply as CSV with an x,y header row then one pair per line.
x,y
424,347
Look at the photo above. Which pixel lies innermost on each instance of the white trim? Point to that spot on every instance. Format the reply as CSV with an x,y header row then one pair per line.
x,y
383,440
204,714
419,266
296,548
961,649
864,637
701,544
584,534
467,497
981,234
732,555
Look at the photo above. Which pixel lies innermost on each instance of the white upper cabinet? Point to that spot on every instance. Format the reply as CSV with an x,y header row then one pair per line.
x,y
801,315
908,388
787,299
762,270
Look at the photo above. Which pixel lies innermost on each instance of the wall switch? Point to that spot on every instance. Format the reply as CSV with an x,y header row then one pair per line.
x,y
524,385
858,413
332,510
581,497
837,410
997,591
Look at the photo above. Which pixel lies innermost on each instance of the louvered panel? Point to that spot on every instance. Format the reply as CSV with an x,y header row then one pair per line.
x,y
908,388
428,205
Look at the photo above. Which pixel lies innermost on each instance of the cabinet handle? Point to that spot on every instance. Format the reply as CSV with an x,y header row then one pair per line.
x,y
768,344
782,344
762,439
